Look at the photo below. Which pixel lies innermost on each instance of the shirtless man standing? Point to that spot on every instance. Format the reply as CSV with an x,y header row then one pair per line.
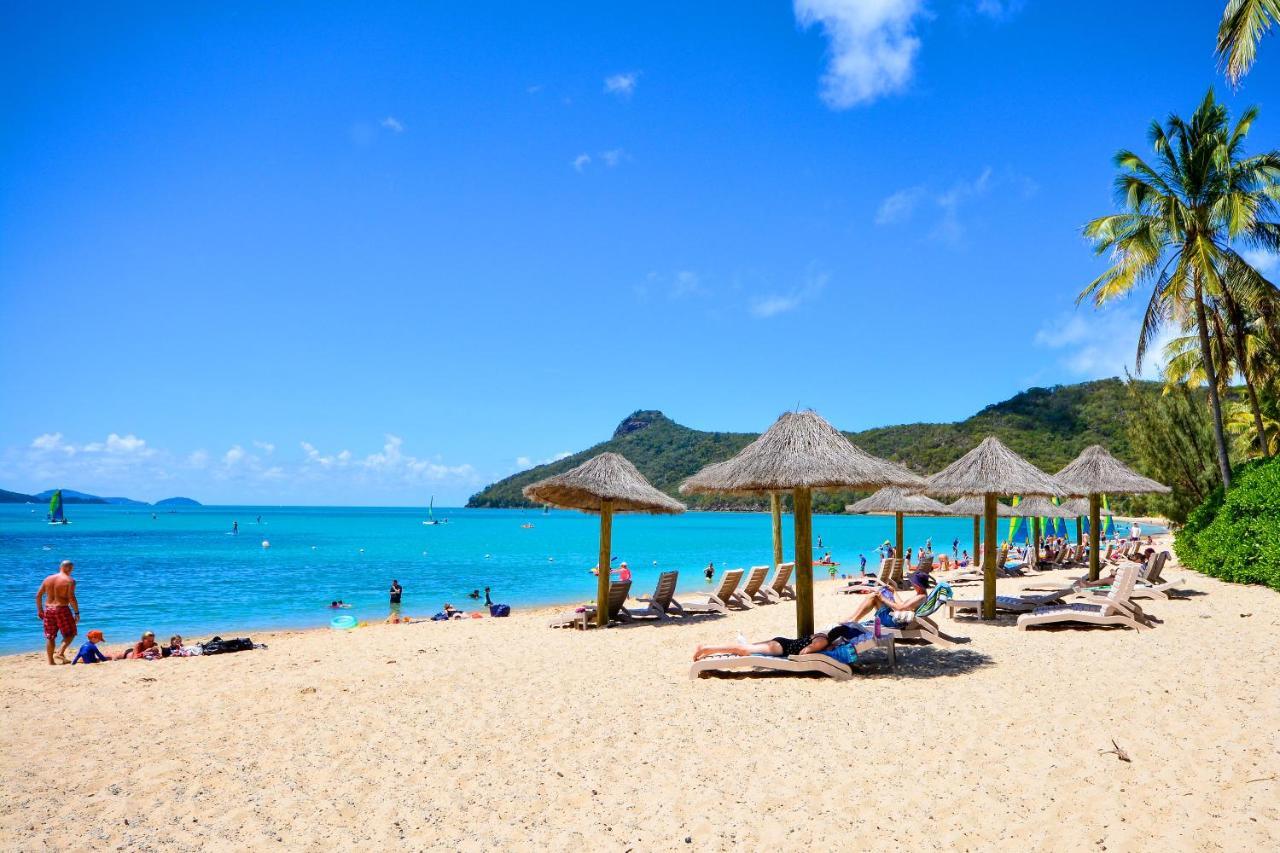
x,y
56,613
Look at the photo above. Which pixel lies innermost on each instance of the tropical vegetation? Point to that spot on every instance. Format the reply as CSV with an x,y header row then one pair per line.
x,y
1186,217
1235,533
1244,23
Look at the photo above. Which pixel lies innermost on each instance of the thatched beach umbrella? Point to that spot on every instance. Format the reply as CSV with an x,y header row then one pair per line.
x,y
606,484
893,500
973,505
1096,472
991,470
800,453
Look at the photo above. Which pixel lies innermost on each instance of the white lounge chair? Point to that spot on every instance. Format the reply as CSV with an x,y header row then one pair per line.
x,y
1116,609
661,604
833,664
585,616
717,601
746,597
780,588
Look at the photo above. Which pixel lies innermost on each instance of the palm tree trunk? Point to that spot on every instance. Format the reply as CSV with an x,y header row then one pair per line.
x,y
1236,319
1219,440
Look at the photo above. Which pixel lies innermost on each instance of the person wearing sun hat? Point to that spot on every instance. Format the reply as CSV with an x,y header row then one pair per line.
x,y
895,609
89,652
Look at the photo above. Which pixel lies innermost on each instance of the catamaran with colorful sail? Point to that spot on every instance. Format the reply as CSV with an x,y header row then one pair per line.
x,y
56,514
431,517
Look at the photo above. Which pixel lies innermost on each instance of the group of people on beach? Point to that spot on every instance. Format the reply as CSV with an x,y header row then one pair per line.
x,y
59,612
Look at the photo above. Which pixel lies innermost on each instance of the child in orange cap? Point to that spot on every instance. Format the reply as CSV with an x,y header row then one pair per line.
x,y
89,651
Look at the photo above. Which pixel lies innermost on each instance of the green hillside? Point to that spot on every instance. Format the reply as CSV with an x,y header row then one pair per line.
x,y
1048,426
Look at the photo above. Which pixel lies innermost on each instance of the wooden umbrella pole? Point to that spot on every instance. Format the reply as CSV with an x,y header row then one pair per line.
x,y
977,538
803,507
989,558
897,565
606,553
1034,550
775,506
1079,533
1093,537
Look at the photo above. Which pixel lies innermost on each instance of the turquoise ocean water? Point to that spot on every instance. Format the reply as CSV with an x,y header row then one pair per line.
x,y
183,572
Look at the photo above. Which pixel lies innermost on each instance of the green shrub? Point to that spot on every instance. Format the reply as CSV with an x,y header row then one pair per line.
x,y
1236,536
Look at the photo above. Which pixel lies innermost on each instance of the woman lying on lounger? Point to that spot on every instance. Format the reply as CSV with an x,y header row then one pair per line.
x,y
787,646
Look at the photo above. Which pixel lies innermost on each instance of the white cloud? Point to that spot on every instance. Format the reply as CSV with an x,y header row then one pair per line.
x,y
622,84
198,459
998,10
872,46
525,462
233,456
580,162
1261,260
899,206
534,89
771,305
265,446
392,124
613,157
1098,344
950,229
52,441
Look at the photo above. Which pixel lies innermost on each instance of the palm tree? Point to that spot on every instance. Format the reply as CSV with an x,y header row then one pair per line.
x,y
1244,23
1182,217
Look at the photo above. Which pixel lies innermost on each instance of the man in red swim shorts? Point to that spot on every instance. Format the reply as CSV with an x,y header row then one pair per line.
x,y
57,612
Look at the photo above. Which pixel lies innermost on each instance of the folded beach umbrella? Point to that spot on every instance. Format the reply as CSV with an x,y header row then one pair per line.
x,y
606,484
973,505
801,453
992,470
1096,472
1039,513
899,502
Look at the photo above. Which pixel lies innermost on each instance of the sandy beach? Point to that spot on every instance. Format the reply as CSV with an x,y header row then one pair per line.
x,y
473,735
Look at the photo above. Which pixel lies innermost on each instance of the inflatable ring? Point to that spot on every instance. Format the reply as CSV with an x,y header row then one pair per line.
x,y
345,622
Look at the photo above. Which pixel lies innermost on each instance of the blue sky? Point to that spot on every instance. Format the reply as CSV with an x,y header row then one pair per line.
x,y
352,255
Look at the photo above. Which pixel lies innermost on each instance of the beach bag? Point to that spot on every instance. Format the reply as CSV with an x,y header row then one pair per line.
x,y
219,646
499,610
440,617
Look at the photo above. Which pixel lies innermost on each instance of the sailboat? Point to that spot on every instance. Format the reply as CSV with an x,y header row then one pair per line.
x,y
56,515
431,518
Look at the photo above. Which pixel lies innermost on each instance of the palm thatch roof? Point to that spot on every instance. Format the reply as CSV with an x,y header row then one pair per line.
x,y
973,505
1079,508
992,468
800,451
607,477
1096,472
1037,507
891,499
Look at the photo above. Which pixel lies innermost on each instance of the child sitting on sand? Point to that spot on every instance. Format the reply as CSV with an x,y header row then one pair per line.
x,y
89,651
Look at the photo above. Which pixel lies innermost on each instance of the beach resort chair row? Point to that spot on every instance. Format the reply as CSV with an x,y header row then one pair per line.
x,y
1142,587
662,604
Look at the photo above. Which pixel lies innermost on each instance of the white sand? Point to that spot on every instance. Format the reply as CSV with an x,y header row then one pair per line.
x,y
503,733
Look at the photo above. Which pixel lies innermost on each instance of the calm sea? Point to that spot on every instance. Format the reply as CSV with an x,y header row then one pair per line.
x,y
184,572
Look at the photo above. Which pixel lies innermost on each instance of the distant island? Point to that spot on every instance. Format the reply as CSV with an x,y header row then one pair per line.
x,y
1048,426
71,496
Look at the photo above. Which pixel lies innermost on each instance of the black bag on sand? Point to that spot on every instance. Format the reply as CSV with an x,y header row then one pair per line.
x,y
218,646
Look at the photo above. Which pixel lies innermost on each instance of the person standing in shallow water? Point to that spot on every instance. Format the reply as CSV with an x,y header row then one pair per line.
x,y
55,604
396,591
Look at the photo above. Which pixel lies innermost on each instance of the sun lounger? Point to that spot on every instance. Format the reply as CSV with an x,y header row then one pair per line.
x,y
717,601
779,588
867,584
1148,584
585,616
1014,603
746,597
833,663
1116,609
662,603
